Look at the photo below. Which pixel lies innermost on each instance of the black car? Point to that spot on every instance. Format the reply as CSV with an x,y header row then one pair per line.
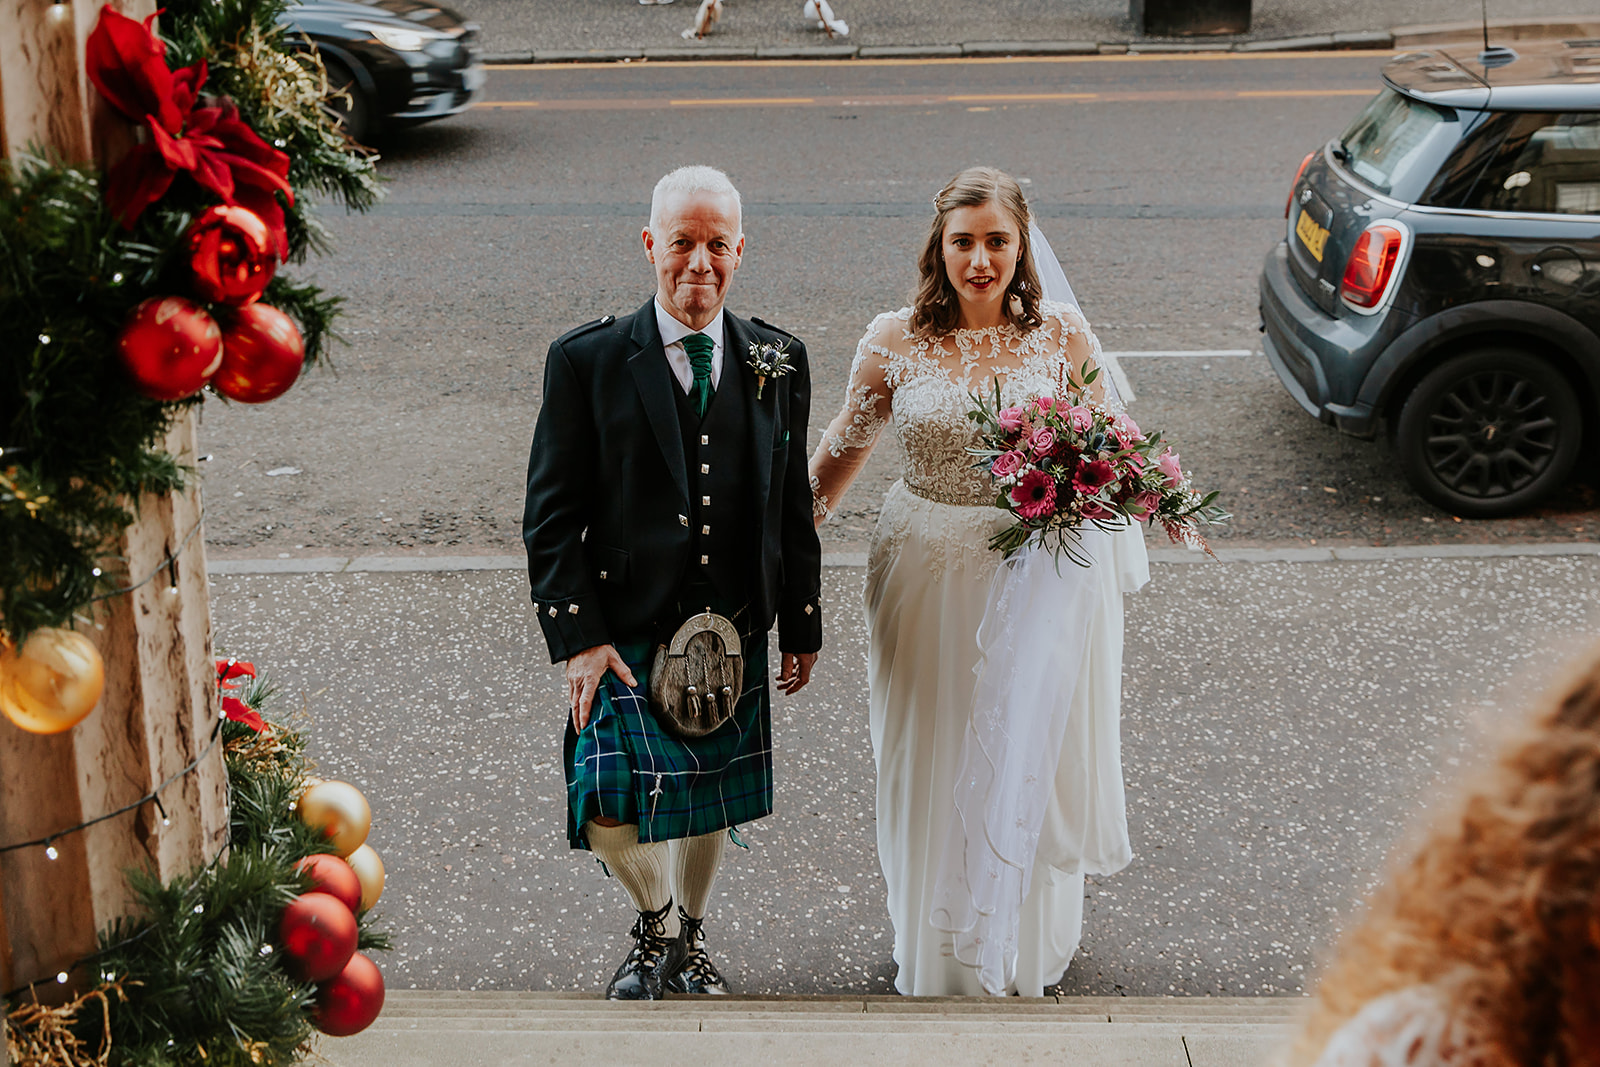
x,y
395,61
1440,276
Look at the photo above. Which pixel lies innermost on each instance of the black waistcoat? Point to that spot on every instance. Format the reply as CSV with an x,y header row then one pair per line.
x,y
716,453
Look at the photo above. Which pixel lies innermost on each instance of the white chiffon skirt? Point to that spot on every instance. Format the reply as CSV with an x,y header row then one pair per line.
x,y
928,583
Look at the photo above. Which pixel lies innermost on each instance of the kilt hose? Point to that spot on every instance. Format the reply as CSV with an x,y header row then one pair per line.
x,y
626,766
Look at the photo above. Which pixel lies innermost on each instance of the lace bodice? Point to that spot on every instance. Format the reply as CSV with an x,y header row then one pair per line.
x,y
923,388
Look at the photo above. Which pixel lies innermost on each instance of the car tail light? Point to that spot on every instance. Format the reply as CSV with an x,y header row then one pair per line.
x,y
1304,163
1371,265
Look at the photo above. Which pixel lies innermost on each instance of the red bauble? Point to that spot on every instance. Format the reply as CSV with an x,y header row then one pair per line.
x,y
231,254
335,877
261,354
170,347
349,1003
318,935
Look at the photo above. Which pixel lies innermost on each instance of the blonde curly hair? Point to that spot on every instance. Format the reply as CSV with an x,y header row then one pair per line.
x,y
1499,909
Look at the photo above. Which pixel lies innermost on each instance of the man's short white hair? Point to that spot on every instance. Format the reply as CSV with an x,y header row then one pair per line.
x,y
686,181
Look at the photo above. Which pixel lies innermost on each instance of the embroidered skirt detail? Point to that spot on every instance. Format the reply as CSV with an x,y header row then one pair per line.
x,y
626,766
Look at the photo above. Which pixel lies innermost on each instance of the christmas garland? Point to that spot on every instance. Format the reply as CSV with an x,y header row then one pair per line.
x,y
233,964
177,245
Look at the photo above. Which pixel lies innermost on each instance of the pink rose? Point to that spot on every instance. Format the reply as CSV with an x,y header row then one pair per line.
x,y
1080,418
1013,419
1144,505
1007,464
1167,463
1044,405
1091,477
1126,430
1042,441
1035,495
1093,509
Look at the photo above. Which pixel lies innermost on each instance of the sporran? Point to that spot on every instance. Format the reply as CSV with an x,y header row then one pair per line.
x,y
697,677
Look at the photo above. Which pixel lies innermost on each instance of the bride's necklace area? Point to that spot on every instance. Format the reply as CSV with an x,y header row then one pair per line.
x,y
977,344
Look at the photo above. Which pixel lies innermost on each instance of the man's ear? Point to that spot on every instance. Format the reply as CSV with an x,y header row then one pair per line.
x,y
650,244
738,252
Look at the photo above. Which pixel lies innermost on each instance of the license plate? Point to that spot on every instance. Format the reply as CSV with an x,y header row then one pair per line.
x,y
472,80
1311,235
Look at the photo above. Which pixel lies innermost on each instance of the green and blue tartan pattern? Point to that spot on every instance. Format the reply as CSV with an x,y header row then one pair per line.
x,y
625,766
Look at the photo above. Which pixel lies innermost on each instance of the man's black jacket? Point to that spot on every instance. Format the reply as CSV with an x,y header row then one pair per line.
x,y
608,491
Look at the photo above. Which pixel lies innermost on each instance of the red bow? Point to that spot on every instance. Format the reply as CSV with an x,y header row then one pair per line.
x,y
127,63
230,669
239,711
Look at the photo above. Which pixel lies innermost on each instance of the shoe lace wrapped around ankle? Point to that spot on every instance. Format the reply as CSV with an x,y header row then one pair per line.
x,y
649,934
697,965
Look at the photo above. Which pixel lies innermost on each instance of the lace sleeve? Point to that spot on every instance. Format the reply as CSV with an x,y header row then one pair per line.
x,y
1078,344
1412,1027
848,440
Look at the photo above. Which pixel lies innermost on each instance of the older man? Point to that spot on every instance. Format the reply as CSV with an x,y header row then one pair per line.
x,y
668,482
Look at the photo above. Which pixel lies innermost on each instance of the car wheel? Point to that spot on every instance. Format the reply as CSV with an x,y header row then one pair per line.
x,y
349,106
1489,432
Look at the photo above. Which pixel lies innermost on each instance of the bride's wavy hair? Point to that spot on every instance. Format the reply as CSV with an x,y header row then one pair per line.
x,y
935,307
1499,909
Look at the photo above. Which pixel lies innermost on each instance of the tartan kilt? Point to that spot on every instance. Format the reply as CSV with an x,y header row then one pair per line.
x,y
626,766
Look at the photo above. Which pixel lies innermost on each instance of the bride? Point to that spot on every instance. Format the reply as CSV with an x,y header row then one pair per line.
x,y
995,686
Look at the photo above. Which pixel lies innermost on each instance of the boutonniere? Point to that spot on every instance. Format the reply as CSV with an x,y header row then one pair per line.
x,y
768,360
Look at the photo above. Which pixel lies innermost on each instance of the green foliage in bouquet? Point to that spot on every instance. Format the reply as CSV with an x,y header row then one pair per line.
x,y
77,444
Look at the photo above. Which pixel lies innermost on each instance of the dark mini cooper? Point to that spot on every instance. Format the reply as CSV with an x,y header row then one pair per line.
x,y
1440,276
395,62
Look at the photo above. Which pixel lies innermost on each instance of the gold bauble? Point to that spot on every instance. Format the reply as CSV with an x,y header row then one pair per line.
x,y
52,682
340,811
369,872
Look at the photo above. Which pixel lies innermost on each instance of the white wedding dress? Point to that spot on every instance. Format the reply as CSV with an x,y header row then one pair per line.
x,y
930,575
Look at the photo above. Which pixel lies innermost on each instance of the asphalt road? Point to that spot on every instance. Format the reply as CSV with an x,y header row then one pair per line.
x,y
1282,724
1159,181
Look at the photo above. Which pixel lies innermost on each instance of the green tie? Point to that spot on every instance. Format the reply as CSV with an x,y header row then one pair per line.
x,y
699,347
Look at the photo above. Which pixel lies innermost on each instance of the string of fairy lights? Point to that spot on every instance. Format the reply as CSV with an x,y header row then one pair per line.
x,y
169,564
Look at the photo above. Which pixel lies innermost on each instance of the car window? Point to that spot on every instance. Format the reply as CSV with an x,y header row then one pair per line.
x,y
1396,143
1543,162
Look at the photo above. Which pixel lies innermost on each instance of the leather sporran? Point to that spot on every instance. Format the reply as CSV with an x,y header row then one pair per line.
x,y
696,678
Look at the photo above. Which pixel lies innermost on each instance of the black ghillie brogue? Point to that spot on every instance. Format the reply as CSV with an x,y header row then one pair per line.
x,y
687,968
639,976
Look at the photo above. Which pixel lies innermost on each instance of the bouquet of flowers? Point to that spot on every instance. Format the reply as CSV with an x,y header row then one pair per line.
x,y
1061,461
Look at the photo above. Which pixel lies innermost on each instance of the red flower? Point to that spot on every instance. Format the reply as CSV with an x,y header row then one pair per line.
x,y
239,711
1091,476
127,63
1035,495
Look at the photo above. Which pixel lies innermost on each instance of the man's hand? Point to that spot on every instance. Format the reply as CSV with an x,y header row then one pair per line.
x,y
795,671
584,672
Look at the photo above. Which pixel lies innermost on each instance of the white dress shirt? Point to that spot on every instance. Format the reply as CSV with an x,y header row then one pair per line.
x,y
672,334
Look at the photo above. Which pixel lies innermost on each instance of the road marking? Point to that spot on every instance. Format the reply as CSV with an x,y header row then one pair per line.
x,y
1278,554
978,98
1147,96
1305,92
1189,353
756,101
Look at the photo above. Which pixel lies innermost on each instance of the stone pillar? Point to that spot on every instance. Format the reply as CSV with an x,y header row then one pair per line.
x,y
157,714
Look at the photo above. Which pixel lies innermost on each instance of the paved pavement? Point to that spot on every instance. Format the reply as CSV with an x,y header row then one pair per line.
x,y
1283,723
551,26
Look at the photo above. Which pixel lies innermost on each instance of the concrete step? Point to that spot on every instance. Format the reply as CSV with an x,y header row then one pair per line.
x,y
448,1028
